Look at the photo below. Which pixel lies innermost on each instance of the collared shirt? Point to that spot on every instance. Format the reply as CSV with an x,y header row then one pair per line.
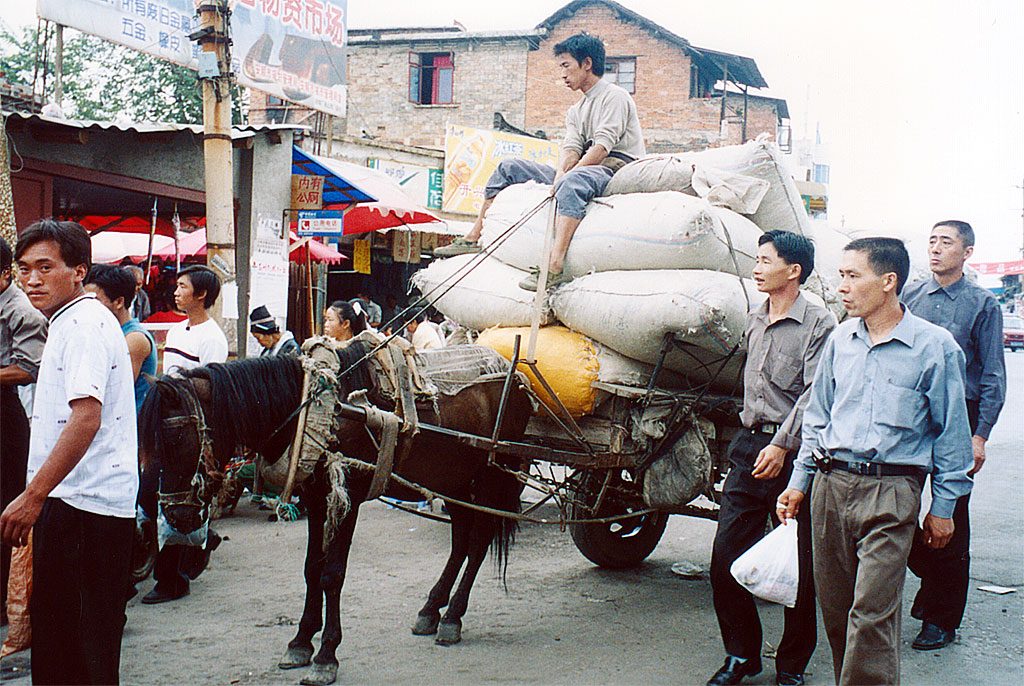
x,y
605,115
22,331
86,356
972,315
286,345
898,401
781,360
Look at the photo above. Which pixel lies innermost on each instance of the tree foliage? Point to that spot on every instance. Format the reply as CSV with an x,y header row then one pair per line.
x,y
103,80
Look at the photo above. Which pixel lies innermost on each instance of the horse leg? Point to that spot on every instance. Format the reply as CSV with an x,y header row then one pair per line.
x,y
300,648
324,669
449,631
430,615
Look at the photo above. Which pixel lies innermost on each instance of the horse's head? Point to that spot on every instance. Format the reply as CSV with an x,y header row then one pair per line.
x,y
176,440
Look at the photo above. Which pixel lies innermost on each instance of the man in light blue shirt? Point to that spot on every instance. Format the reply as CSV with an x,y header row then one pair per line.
x,y
887,408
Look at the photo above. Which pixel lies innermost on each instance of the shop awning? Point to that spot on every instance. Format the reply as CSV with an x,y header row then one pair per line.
x,y
385,205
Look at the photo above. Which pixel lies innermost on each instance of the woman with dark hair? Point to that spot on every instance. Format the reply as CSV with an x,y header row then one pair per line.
x,y
343,320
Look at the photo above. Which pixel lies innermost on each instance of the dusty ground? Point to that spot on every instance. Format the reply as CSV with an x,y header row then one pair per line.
x,y
562,620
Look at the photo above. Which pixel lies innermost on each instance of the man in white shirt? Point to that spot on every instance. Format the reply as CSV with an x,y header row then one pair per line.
x,y
198,340
424,334
79,501
192,343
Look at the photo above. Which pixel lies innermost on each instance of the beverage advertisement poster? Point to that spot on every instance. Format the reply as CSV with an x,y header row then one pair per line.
x,y
472,155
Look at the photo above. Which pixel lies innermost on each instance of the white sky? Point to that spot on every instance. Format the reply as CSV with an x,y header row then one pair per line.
x,y
920,103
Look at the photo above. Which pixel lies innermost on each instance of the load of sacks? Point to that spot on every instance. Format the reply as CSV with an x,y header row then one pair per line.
x,y
668,249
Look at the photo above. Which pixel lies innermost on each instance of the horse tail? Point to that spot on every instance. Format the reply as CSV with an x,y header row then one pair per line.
x,y
502,491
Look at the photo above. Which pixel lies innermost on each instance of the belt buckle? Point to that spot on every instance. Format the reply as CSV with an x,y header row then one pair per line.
x,y
861,468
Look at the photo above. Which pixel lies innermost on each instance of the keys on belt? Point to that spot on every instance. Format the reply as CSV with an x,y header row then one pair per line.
x,y
826,463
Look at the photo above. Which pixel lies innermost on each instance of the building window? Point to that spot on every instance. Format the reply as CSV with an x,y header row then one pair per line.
x,y
431,78
621,71
821,173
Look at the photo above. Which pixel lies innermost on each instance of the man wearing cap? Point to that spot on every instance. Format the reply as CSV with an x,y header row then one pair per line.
x,y
275,342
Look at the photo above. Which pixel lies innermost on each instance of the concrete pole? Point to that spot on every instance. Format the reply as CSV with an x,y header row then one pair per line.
x,y
7,225
58,67
214,17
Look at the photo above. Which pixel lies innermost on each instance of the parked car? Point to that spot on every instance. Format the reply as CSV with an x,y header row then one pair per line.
x,y
1013,333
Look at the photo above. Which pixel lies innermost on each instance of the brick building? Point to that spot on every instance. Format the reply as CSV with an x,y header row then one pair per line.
x,y
406,84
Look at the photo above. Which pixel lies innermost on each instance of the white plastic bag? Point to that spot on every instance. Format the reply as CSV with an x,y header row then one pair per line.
x,y
770,569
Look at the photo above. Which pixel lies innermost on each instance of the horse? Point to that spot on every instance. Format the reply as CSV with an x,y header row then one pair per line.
x,y
190,425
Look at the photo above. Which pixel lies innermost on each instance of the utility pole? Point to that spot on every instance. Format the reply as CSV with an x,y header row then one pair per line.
x,y
58,67
215,75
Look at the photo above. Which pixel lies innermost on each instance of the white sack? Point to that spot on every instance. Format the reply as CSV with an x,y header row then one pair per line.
x,y
487,296
736,192
651,174
665,230
782,207
770,569
632,311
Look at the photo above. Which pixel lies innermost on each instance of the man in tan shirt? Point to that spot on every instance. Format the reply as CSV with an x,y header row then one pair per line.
x,y
785,337
602,134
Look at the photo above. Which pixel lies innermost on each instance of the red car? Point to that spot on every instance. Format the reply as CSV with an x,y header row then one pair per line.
x,y
1013,333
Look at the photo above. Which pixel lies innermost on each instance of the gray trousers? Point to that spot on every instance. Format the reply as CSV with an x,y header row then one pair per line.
x,y
574,191
863,527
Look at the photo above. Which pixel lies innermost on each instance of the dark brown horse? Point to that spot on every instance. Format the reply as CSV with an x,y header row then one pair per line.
x,y
190,427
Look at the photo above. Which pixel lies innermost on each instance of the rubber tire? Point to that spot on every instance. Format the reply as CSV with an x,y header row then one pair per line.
x,y
614,549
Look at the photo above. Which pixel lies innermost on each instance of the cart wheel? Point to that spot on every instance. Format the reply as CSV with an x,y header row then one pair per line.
x,y
619,544
144,550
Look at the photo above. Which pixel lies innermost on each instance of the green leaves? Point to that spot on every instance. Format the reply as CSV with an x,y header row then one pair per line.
x,y
103,80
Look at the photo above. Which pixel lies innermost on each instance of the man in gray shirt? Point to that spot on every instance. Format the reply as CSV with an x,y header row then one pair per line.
x,y
22,337
602,134
785,337
886,409
971,313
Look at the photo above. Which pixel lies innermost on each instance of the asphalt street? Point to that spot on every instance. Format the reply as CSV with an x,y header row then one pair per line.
x,y
561,620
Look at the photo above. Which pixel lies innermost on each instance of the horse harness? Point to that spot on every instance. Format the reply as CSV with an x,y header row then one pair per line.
x,y
207,477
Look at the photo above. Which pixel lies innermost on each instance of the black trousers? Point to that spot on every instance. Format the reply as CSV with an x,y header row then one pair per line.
x,y
945,573
748,504
13,463
80,568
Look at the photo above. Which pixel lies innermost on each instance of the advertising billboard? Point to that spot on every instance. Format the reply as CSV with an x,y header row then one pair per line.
x,y
292,49
472,155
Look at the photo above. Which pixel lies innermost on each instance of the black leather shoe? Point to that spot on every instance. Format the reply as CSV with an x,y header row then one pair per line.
x,y
933,637
789,679
157,596
734,669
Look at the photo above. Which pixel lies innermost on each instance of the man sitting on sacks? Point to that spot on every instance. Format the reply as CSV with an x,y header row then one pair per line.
x,y
602,134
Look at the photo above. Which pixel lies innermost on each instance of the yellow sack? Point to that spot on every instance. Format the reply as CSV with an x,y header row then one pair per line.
x,y
19,592
568,361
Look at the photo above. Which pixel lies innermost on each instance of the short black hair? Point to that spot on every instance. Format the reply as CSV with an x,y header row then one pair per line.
x,y
885,255
793,249
964,229
115,282
204,281
581,46
71,237
347,311
6,256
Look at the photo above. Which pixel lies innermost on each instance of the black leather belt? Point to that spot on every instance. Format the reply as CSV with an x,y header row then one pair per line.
x,y
826,463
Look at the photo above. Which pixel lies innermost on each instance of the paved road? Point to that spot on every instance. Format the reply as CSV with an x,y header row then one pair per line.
x,y
562,621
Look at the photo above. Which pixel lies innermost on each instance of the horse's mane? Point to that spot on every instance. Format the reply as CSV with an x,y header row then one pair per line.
x,y
249,397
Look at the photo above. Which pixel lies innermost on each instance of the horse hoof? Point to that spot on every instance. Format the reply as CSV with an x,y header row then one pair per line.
x,y
426,625
448,634
296,657
320,675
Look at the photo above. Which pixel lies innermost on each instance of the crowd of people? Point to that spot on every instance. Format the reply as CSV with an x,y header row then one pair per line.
x,y
843,424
